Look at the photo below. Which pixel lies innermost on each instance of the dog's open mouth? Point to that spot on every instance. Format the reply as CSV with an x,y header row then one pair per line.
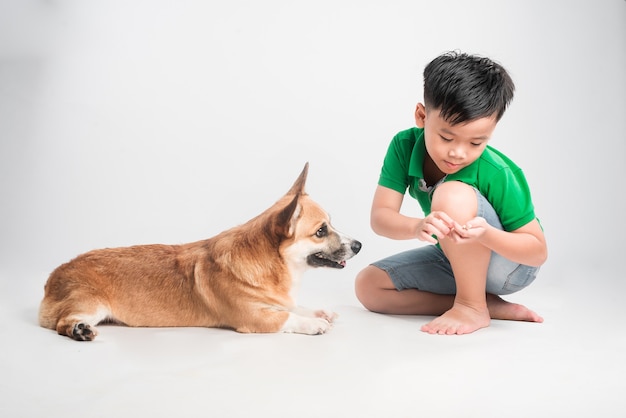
x,y
321,260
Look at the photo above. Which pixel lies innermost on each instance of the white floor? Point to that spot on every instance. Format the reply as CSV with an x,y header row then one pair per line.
x,y
369,365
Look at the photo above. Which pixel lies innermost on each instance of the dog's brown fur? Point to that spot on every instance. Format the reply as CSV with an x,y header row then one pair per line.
x,y
243,278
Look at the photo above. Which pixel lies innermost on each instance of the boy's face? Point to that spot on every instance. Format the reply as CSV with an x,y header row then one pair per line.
x,y
453,147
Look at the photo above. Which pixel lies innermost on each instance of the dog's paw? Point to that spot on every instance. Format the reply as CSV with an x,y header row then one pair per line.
x,y
306,325
329,316
315,326
83,332
326,314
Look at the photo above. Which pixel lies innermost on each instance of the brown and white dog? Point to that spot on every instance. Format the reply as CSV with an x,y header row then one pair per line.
x,y
244,278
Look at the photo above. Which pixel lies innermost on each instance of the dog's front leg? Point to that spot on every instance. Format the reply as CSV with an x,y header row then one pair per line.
x,y
310,325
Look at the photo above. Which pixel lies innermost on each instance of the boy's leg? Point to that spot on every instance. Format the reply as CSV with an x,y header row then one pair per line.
x,y
418,281
376,291
469,264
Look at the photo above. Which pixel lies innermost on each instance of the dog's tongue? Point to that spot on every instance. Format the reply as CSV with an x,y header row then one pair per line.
x,y
343,263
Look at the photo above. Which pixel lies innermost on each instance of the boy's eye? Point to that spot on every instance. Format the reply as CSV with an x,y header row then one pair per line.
x,y
476,145
446,139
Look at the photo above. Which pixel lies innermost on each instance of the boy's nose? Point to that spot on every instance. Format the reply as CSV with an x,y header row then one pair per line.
x,y
457,153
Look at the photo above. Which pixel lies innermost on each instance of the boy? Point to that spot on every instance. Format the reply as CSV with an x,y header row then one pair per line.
x,y
477,205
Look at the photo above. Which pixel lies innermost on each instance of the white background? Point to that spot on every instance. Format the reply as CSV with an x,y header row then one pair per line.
x,y
130,122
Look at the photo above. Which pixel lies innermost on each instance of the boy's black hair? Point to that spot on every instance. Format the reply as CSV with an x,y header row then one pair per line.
x,y
466,87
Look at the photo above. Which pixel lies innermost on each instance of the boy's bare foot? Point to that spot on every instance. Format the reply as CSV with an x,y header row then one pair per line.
x,y
501,309
460,319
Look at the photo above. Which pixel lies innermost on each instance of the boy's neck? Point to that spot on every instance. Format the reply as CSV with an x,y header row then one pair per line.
x,y
432,174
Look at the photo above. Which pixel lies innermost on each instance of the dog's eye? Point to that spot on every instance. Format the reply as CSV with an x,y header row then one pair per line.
x,y
322,232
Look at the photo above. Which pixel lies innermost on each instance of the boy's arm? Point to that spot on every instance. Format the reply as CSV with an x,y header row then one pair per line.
x,y
525,245
386,219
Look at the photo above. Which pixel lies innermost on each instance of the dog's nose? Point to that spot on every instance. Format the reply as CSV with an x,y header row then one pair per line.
x,y
355,246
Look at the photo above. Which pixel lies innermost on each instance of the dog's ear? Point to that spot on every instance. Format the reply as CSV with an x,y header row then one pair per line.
x,y
298,185
287,218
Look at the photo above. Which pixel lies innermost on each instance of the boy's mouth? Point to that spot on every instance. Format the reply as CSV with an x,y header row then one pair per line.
x,y
452,166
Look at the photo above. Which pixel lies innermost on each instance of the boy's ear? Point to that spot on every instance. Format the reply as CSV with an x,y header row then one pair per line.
x,y
420,115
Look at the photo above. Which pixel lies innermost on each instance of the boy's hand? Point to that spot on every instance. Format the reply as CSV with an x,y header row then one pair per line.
x,y
437,224
472,230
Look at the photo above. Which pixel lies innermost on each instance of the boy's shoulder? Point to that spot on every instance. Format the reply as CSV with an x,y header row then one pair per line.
x,y
404,141
497,159
410,135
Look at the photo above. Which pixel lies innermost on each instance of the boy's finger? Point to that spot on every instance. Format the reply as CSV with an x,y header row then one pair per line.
x,y
457,226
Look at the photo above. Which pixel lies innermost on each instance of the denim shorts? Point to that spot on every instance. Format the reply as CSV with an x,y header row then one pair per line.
x,y
427,268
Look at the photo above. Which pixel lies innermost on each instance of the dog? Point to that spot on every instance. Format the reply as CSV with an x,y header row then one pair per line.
x,y
244,278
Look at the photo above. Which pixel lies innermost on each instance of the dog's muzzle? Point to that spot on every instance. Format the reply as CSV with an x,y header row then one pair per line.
x,y
336,259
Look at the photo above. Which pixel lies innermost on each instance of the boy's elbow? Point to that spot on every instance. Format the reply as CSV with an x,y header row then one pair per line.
x,y
375,223
375,227
542,257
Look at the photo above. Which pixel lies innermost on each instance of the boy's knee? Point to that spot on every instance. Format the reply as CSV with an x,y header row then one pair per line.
x,y
362,283
455,197
365,286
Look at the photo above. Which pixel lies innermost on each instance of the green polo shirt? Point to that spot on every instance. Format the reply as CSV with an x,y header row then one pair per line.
x,y
497,178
